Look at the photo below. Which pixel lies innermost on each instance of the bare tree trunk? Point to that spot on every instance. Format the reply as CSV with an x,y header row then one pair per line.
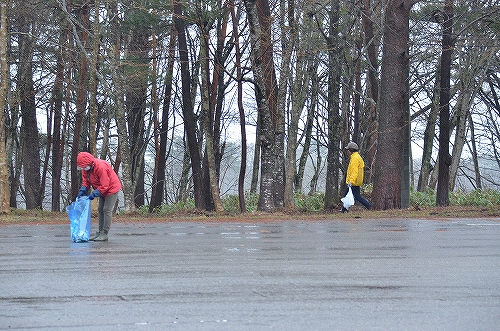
x,y
161,157
155,109
29,127
371,44
334,70
313,186
137,72
82,36
393,104
493,114
356,132
442,195
289,36
4,84
67,113
267,135
184,180
462,113
218,88
239,76
299,38
277,164
120,117
473,150
305,67
256,158
207,122
187,109
15,163
77,34
473,76
308,130
429,135
57,137
94,67
213,105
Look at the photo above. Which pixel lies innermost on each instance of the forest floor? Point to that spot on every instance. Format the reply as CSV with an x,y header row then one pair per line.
x,y
36,217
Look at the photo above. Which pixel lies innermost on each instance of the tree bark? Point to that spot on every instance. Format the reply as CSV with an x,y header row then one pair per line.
x,y
472,76
256,158
94,67
394,94
137,73
442,195
241,110
155,109
371,44
334,70
263,12
125,154
267,135
462,115
207,122
473,150
81,94
429,135
187,107
29,127
4,83
289,38
313,186
57,136
157,193
308,130
184,186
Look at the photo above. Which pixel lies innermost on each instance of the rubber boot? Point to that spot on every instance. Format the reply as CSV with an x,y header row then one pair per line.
x,y
102,237
92,238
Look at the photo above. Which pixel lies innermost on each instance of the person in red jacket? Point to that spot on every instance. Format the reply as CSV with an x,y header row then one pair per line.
x,y
355,175
99,175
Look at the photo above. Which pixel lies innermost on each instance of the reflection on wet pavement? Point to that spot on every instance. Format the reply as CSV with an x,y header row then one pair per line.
x,y
291,275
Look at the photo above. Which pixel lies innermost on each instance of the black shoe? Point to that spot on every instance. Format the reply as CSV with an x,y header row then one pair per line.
x,y
344,210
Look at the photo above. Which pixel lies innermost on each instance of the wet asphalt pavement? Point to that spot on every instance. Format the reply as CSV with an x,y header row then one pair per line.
x,y
291,275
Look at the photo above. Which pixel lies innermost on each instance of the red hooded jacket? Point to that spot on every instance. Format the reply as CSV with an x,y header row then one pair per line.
x,y
101,175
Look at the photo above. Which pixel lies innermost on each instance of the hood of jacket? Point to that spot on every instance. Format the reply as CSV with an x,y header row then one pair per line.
x,y
84,159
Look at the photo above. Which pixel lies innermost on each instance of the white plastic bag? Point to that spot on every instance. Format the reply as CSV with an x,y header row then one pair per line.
x,y
348,200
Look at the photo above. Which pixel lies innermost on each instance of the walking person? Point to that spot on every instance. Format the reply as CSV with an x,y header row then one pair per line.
x,y
355,175
99,175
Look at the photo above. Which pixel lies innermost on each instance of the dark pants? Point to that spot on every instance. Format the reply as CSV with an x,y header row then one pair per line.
x,y
356,192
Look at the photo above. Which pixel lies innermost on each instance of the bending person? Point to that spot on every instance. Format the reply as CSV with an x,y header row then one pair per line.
x,y
99,175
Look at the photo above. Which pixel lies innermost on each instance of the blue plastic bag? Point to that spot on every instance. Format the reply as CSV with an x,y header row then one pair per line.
x,y
79,213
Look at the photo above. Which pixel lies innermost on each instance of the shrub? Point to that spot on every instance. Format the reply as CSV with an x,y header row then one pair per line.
x,y
231,203
176,207
315,202
426,198
477,197
310,202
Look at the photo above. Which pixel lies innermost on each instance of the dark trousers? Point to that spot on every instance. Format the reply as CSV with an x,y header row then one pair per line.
x,y
356,192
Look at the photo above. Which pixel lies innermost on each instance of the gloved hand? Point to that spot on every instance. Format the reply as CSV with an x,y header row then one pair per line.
x,y
350,184
95,193
83,191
